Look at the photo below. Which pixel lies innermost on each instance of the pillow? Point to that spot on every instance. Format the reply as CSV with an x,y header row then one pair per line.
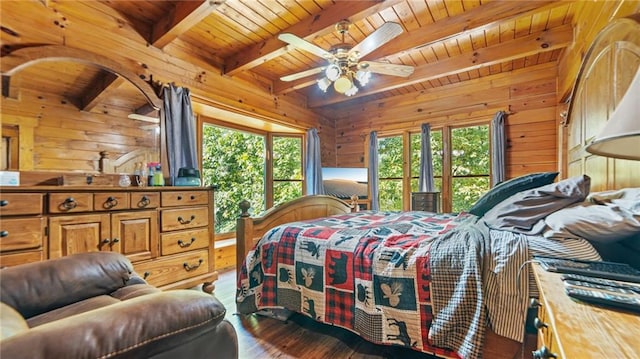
x,y
504,190
593,222
523,211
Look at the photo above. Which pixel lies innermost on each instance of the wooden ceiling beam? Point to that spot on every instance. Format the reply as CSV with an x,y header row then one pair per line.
x,y
103,87
184,16
318,25
481,17
533,44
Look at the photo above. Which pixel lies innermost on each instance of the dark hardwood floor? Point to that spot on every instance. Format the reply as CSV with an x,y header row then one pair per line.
x,y
299,336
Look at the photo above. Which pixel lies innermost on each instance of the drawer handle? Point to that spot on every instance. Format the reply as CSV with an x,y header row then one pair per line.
x,y
114,241
183,244
4,234
144,201
69,204
193,197
539,324
543,353
145,275
111,202
106,241
189,268
4,203
179,198
186,221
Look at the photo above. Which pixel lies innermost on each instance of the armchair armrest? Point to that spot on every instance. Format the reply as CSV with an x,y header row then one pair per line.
x,y
136,328
39,287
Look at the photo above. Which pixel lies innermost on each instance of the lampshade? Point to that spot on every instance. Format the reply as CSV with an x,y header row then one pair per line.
x,y
620,137
342,84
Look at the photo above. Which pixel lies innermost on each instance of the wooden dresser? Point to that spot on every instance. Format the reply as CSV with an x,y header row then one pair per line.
x,y
425,201
571,329
166,232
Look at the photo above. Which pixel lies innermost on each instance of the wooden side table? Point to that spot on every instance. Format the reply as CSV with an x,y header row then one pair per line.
x,y
568,328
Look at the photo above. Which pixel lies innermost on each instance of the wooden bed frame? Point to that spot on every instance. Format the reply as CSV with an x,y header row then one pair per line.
x,y
250,229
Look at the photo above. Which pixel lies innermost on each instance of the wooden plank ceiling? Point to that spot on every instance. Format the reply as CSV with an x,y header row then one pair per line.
x,y
447,41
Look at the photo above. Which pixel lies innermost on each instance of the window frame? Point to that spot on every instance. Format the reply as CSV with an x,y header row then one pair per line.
x,y
202,120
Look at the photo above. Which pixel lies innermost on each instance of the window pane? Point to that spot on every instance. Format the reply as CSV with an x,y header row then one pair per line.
x,y
284,191
390,157
233,161
470,151
390,195
287,158
466,191
436,181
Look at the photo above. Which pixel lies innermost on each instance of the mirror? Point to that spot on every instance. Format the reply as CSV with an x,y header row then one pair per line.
x,y
62,107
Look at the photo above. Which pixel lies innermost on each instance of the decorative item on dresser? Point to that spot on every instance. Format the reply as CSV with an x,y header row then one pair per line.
x,y
166,232
425,201
572,329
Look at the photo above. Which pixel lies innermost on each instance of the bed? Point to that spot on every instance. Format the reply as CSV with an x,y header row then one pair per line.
x,y
444,284
436,283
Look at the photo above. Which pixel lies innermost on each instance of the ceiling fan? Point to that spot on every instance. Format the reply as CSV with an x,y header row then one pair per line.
x,y
344,63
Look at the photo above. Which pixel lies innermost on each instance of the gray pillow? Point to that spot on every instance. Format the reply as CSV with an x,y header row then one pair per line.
x,y
523,212
605,217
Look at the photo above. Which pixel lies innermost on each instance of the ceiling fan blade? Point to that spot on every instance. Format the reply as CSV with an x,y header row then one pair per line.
x,y
299,75
386,69
379,37
305,45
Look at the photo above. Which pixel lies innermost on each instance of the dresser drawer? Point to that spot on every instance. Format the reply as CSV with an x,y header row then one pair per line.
x,y
21,233
141,200
110,201
21,203
70,202
178,242
174,268
14,259
184,218
184,198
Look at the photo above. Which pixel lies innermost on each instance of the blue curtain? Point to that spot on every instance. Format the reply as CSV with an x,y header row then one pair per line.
x,y
425,180
373,169
180,128
313,165
498,148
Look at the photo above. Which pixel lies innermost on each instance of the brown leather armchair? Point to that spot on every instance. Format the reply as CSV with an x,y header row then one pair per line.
x,y
93,305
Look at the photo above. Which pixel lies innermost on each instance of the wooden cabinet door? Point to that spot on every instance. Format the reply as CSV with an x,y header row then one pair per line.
x,y
135,234
79,234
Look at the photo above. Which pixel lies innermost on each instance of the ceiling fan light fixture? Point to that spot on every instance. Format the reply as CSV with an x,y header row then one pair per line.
x,y
342,84
333,72
363,77
352,91
324,84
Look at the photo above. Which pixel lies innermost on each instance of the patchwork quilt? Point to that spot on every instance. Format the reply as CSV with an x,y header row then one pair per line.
x,y
373,273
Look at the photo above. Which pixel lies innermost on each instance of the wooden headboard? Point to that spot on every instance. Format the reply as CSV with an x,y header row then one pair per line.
x,y
607,71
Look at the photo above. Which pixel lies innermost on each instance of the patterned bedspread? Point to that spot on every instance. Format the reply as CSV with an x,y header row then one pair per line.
x,y
412,279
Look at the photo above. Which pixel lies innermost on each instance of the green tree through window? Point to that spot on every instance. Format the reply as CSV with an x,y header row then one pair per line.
x,y
235,162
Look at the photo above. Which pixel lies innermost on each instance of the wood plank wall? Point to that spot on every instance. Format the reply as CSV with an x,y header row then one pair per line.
x,y
87,24
529,96
66,139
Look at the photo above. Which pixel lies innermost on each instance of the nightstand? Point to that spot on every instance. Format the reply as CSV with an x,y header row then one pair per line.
x,y
425,201
571,329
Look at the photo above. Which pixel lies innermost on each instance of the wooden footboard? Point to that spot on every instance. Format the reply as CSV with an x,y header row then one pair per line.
x,y
250,229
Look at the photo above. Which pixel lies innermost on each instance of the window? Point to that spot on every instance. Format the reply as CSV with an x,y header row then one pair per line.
x,y
287,168
263,168
470,165
390,173
462,174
